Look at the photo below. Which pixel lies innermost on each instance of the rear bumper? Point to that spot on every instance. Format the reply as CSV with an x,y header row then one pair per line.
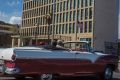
x,y
12,70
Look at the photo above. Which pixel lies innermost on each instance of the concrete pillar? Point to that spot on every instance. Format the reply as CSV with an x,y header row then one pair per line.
x,y
13,41
30,42
19,42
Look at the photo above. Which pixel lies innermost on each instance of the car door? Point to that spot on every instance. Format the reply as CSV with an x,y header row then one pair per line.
x,y
85,62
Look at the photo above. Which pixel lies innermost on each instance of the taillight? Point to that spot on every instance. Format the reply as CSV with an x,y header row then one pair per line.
x,y
9,64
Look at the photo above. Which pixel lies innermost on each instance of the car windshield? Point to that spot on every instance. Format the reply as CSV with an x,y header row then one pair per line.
x,y
78,46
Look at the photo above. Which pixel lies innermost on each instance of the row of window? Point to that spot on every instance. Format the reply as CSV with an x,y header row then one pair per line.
x,y
62,5
83,14
85,27
87,12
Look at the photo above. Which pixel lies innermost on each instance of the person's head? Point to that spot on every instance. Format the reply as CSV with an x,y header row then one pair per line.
x,y
60,42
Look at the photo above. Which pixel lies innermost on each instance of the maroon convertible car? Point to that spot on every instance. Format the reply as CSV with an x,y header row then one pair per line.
x,y
47,63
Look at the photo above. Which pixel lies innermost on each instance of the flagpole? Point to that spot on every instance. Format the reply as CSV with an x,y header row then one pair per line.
x,y
53,21
76,24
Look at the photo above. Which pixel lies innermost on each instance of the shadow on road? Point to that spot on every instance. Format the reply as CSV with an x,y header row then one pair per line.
x,y
116,79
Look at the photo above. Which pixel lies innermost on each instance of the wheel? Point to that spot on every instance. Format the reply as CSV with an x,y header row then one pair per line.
x,y
107,74
47,77
44,77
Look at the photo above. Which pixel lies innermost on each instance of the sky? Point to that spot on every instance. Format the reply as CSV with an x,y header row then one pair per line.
x,y
11,11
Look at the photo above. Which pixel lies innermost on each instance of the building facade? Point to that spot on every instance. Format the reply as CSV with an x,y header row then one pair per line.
x,y
6,31
74,20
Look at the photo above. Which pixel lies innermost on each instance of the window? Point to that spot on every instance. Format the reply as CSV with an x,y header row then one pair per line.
x,y
82,3
86,39
57,7
78,3
86,3
66,28
90,26
63,17
63,29
59,29
61,6
56,29
82,14
74,4
67,5
64,6
70,28
70,4
90,3
85,29
90,13
86,13
81,27
67,16
74,15
73,28
70,16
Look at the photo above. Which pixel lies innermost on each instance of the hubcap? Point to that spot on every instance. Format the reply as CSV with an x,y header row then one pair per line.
x,y
46,77
108,73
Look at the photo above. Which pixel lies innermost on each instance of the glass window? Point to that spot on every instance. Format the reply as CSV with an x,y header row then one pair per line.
x,y
85,28
60,29
82,14
66,28
56,29
74,4
73,30
81,27
90,26
78,14
78,3
90,3
60,17
64,6
70,28
63,29
82,3
61,6
86,13
63,17
57,18
74,15
86,39
86,3
70,16
71,4
57,7
90,13
67,5
67,16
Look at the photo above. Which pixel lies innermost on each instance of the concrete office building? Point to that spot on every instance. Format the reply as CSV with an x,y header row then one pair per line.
x,y
98,20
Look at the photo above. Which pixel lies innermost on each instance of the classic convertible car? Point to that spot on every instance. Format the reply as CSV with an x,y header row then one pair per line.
x,y
46,63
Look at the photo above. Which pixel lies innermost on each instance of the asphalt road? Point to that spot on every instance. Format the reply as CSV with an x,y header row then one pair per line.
x,y
116,76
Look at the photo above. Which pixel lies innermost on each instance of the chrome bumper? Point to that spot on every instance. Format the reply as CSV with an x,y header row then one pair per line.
x,y
12,70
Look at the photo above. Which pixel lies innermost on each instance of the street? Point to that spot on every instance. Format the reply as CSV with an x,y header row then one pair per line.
x,y
116,76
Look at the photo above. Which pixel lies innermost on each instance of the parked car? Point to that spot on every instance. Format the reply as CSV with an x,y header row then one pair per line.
x,y
48,62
